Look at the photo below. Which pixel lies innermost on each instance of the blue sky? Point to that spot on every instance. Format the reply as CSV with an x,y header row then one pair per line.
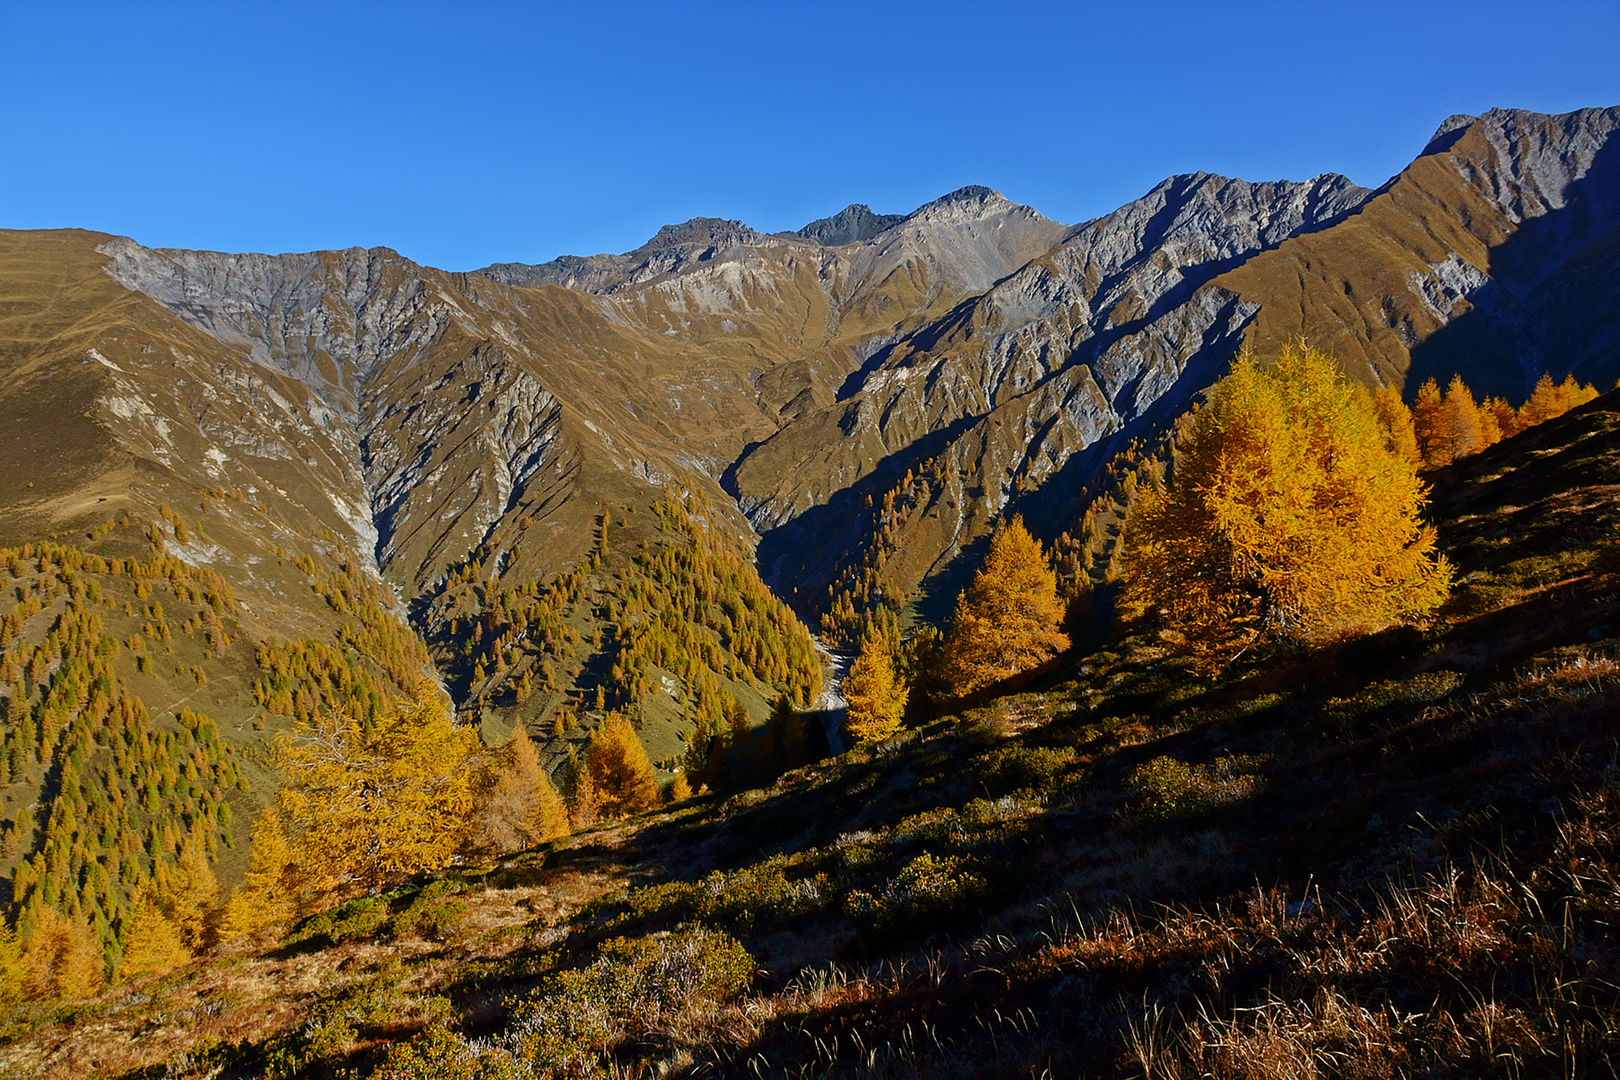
x,y
467,133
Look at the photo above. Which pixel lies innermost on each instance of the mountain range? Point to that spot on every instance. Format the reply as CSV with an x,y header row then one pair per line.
x,y
963,362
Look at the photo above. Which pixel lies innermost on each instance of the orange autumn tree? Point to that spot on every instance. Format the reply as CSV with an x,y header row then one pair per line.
x,y
518,807
1400,429
1549,400
876,695
621,776
268,893
364,808
1007,621
1289,516
1451,426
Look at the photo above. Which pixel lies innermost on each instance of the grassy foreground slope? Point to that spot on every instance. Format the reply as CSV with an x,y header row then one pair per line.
x,y
1393,857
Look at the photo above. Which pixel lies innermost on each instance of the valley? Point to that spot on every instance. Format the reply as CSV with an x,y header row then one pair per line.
x,y
681,486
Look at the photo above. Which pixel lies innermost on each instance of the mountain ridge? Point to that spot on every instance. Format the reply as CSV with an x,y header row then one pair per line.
x,y
986,356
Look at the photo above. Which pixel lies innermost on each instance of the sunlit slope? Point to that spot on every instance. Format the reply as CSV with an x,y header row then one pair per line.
x,y
1492,255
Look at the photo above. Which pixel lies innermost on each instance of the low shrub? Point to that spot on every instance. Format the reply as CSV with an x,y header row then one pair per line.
x,y
758,895
1164,788
441,1054
435,913
635,985
361,917
1340,715
334,1025
929,894
1021,768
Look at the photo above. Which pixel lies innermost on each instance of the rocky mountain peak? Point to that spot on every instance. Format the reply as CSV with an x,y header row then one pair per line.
x,y
1450,125
966,203
702,232
851,225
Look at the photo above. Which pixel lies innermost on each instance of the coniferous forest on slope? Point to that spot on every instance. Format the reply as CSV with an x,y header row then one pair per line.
x,y
1266,730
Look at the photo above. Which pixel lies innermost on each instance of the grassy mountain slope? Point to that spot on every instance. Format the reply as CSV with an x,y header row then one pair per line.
x,y
209,493
1468,261
1397,855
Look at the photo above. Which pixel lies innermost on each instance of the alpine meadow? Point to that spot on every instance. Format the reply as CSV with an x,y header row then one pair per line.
x,y
950,643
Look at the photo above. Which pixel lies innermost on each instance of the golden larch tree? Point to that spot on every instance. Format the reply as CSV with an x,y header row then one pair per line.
x,y
1288,516
1462,429
1007,621
367,808
876,696
1426,422
269,891
1504,418
193,891
155,943
1399,427
1550,399
518,806
12,972
620,773
60,958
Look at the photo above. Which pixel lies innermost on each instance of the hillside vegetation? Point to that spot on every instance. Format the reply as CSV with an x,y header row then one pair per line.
x,y
1392,855
410,673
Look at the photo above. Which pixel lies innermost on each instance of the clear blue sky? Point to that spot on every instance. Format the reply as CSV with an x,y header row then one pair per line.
x,y
467,133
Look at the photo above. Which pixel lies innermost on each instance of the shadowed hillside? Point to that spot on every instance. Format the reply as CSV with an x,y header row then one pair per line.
x,y
1397,854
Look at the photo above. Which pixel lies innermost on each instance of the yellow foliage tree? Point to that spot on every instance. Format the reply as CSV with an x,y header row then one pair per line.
x,y
267,893
155,944
1504,418
1448,426
60,958
519,807
1426,422
193,892
1288,516
1462,430
1550,399
877,699
1399,427
366,808
1007,621
620,773
1453,425
12,971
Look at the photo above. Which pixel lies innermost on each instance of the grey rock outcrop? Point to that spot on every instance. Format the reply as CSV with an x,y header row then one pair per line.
x,y
851,225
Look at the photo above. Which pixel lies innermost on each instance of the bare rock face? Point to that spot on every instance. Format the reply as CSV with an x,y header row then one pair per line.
x,y
673,249
453,450
1098,300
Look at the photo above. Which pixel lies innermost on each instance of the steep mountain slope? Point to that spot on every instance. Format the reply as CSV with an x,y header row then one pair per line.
x,y
1072,348
1000,354
1395,856
1492,254
551,466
